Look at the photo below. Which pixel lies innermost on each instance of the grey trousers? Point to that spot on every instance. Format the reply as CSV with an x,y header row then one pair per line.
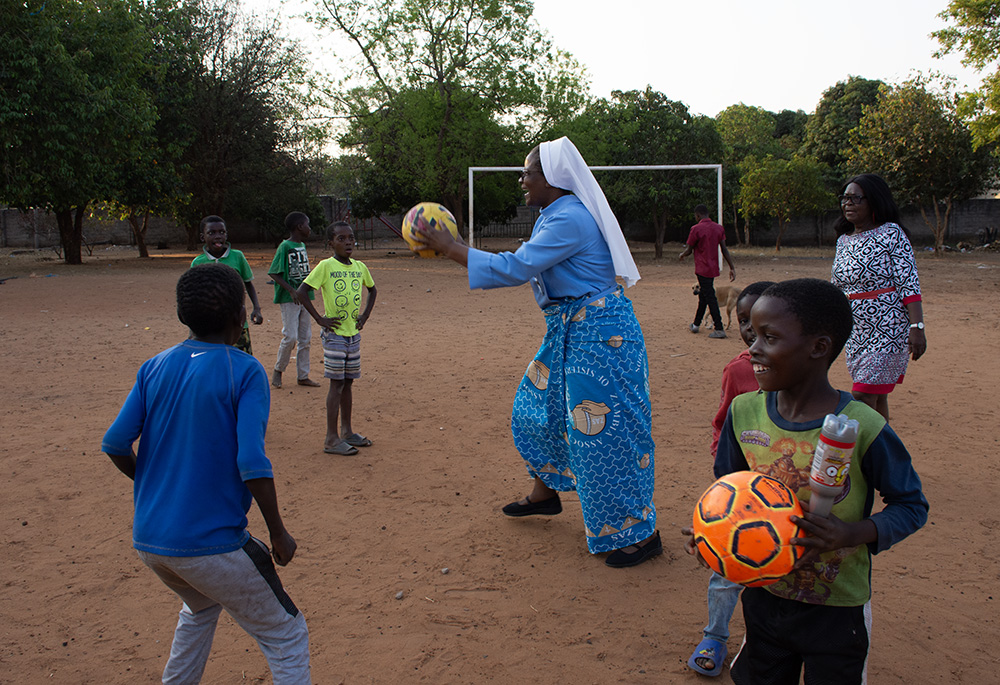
x,y
246,585
296,330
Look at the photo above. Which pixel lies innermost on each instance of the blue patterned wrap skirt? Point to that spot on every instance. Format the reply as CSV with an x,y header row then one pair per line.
x,y
582,418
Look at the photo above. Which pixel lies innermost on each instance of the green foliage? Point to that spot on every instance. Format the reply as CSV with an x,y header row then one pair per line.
x,y
790,129
420,145
645,127
249,157
170,106
783,188
827,135
915,140
748,134
448,84
73,110
976,33
747,131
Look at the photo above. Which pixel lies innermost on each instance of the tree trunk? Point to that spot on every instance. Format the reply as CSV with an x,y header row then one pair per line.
x,y
746,230
939,225
455,206
71,233
139,231
193,231
736,225
660,230
781,232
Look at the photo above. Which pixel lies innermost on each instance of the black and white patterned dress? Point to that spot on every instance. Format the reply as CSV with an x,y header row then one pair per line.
x,y
877,272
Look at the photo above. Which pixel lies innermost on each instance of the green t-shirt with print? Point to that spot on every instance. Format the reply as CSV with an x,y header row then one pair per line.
x,y
291,263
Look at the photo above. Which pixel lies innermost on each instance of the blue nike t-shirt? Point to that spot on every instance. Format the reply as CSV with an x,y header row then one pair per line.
x,y
201,410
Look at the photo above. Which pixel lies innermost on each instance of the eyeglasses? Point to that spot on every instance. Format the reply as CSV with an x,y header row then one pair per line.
x,y
851,199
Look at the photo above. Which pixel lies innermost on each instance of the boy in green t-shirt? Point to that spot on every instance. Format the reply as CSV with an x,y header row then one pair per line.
x,y
340,279
819,615
218,250
288,269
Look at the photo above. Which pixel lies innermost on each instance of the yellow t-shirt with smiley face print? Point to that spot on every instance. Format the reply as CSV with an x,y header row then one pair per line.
x,y
341,287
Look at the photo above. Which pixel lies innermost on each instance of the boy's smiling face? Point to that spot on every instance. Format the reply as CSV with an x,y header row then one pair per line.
x,y
781,354
215,236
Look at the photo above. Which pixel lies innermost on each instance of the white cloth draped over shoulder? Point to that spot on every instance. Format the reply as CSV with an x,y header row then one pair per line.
x,y
565,168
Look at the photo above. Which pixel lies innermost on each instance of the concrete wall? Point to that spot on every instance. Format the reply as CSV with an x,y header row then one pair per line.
x,y
968,218
38,229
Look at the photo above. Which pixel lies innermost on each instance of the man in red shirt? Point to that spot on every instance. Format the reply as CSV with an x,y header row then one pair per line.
x,y
705,239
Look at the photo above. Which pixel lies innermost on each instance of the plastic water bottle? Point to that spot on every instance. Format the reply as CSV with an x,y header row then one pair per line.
x,y
831,462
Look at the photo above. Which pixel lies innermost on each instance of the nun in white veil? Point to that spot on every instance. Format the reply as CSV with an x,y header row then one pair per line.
x,y
581,418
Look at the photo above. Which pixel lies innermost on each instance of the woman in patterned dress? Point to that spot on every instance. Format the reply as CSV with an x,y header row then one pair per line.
x,y
582,418
875,268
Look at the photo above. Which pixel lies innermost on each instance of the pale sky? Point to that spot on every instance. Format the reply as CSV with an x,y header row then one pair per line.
x,y
709,54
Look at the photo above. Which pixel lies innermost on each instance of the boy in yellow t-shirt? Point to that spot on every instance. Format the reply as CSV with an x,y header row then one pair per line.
x,y
340,278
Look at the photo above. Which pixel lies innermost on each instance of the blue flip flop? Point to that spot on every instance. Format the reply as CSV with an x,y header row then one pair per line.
x,y
709,649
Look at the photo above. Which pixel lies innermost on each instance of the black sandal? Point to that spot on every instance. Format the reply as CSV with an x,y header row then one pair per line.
x,y
547,507
622,559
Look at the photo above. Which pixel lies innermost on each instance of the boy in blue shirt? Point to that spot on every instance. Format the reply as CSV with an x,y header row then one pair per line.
x,y
819,615
201,408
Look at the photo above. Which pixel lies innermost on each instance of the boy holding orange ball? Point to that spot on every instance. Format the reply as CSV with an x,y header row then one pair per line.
x,y
819,615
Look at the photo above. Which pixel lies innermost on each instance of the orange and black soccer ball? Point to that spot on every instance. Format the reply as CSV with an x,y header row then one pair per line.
x,y
742,530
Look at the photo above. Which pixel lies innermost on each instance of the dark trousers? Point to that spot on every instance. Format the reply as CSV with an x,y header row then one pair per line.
x,y
784,637
706,298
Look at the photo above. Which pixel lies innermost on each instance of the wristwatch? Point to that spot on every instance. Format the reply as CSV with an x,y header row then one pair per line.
x,y
918,325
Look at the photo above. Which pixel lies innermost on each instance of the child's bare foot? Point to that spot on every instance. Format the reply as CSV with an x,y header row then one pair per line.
x,y
308,382
276,379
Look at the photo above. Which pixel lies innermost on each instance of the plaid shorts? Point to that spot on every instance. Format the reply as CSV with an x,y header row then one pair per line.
x,y
341,356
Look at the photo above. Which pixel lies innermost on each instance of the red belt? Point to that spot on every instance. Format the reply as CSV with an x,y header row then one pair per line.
x,y
871,294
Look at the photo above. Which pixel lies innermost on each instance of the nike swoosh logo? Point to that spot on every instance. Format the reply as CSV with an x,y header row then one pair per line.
x,y
197,354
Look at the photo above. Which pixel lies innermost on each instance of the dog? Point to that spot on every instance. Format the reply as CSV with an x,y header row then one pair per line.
x,y
726,295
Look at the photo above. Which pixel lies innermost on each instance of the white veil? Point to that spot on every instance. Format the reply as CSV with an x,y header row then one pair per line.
x,y
564,168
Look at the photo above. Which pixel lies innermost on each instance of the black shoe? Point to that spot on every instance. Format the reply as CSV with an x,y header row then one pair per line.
x,y
622,559
547,507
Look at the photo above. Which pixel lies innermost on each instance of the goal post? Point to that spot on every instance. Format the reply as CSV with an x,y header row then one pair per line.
x,y
638,167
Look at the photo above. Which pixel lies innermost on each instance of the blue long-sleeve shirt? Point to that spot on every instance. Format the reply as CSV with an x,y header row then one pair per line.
x,y
566,257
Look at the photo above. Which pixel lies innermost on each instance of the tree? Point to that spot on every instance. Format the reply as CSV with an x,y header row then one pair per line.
x,y
472,69
72,108
640,127
152,181
790,129
915,140
413,156
827,135
249,154
976,33
646,127
784,188
748,134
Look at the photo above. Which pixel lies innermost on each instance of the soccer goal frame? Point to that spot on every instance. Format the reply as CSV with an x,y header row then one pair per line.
x,y
639,167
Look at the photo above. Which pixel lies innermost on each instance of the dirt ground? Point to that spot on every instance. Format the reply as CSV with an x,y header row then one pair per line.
x,y
521,600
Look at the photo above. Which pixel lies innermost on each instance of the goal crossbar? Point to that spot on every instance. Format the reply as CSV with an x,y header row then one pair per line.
x,y
638,167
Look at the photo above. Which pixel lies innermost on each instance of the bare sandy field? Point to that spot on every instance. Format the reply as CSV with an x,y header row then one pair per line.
x,y
522,599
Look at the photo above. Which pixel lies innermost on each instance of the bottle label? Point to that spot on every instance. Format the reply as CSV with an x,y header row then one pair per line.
x,y
831,462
